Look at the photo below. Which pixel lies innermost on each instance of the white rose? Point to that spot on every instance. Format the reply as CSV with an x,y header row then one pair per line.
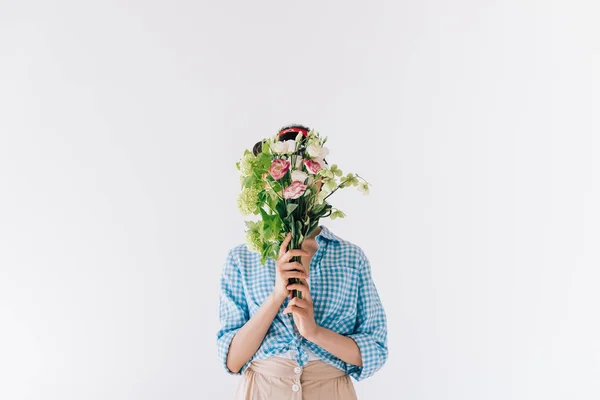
x,y
299,175
278,147
313,150
290,146
316,151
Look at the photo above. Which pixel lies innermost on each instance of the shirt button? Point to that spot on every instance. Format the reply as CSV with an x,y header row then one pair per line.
x,y
295,387
297,370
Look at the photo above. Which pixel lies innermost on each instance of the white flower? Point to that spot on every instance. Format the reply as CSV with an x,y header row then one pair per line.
x,y
285,147
278,147
299,176
316,151
290,146
298,163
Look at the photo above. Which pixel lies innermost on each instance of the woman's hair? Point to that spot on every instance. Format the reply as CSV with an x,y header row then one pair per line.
x,y
286,136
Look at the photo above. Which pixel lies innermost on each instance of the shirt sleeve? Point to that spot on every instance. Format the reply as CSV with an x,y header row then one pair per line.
x,y
370,331
233,309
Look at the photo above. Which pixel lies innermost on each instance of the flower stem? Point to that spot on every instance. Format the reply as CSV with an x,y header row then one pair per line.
x,y
294,245
269,183
336,188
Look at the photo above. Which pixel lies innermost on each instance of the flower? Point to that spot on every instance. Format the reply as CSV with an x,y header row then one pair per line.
x,y
295,190
313,166
285,147
284,176
247,201
247,163
253,238
316,151
279,167
299,175
290,146
335,170
363,188
253,241
278,147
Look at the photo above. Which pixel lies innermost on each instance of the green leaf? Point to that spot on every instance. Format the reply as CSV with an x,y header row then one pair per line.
x,y
266,147
291,207
337,214
318,208
280,207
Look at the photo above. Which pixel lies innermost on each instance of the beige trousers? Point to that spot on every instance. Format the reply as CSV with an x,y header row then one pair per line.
x,y
278,378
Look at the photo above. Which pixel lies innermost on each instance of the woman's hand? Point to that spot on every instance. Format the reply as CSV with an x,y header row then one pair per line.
x,y
286,269
303,311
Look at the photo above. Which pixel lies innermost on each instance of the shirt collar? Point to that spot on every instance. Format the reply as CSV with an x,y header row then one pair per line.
x,y
327,234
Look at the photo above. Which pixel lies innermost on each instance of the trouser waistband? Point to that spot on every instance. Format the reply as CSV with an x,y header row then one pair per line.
x,y
280,367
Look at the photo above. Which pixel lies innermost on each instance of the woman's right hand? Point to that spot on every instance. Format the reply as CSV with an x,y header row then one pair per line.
x,y
286,269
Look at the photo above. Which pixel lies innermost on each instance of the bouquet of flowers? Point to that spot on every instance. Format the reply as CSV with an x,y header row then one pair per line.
x,y
287,183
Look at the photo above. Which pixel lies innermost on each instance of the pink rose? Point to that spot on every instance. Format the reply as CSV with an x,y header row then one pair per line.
x,y
278,168
295,190
313,166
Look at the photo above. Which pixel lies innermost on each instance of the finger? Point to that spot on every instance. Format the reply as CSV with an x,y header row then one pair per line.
x,y
306,293
303,281
284,244
287,256
292,274
297,286
296,311
293,266
301,303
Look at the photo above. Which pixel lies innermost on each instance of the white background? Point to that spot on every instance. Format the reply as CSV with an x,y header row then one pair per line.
x,y
475,121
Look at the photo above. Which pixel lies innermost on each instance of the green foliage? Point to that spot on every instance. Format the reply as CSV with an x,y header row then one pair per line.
x,y
337,214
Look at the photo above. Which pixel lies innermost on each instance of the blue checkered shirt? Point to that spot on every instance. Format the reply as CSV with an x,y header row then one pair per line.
x,y
345,300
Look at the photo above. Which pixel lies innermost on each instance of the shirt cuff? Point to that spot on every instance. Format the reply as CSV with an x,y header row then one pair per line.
x,y
371,354
223,344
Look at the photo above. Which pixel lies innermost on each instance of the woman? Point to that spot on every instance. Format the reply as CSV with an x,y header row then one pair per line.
x,y
308,348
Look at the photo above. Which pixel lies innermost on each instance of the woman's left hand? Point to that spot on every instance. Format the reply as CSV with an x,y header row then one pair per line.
x,y
302,309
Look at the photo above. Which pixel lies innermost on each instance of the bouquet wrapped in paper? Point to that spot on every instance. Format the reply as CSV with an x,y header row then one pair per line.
x,y
287,183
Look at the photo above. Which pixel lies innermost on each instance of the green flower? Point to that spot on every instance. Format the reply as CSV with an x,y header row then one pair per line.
x,y
253,241
364,188
350,180
253,236
335,170
247,163
330,184
247,201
